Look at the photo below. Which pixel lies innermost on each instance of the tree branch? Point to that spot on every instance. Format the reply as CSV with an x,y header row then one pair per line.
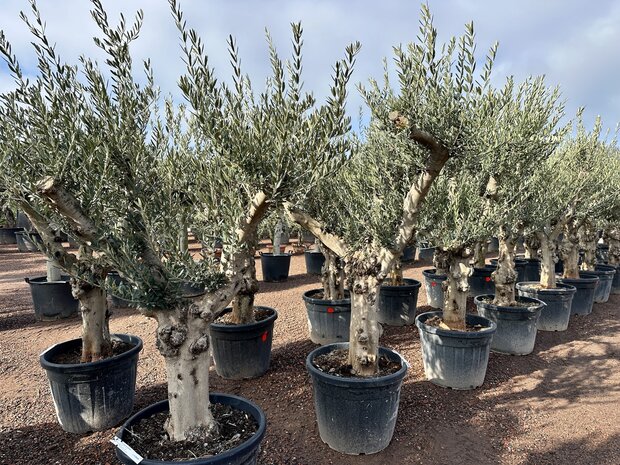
x,y
256,213
329,240
69,207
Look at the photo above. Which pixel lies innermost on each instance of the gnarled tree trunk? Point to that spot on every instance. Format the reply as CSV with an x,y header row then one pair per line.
x,y
456,289
96,343
364,330
547,261
588,238
183,340
612,236
505,276
569,251
532,244
332,275
53,271
243,304
480,254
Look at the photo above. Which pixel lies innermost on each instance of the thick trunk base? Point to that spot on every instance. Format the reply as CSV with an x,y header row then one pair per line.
x,y
365,330
96,343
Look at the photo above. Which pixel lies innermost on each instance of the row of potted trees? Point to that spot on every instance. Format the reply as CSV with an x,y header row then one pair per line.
x,y
446,156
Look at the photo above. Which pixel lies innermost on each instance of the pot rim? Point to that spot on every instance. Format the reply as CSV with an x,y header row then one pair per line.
x,y
492,327
306,296
537,307
432,273
412,284
565,289
248,326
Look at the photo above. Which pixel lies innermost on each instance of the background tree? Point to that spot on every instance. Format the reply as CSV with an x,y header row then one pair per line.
x,y
433,117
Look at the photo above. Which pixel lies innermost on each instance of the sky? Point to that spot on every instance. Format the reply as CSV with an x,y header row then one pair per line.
x,y
574,43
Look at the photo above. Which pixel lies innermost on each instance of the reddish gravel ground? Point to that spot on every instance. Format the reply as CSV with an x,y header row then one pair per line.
x,y
559,405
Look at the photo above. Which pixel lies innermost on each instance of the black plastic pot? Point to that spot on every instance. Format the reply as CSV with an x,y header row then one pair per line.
x,y
556,315
23,221
455,359
426,253
606,275
356,415
493,245
275,267
314,261
328,320
602,252
92,396
408,254
118,302
27,242
584,297
615,285
244,454
397,304
480,281
53,300
516,326
520,268
243,351
433,287
7,235
532,270
559,267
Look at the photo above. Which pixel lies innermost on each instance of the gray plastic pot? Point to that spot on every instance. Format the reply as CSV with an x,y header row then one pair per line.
x,y
481,282
356,415
7,235
584,297
27,241
92,396
397,304
455,359
408,254
532,270
615,284
606,275
556,314
426,253
433,287
328,320
516,326
53,300
244,454
602,252
275,267
242,351
314,261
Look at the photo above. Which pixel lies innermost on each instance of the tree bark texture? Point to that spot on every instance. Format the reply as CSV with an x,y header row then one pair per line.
x,y
456,289
505,276
569,251
96,343
332,275
612,236
243,304
183,340
480,254
364,330
547,261
588,238
532,244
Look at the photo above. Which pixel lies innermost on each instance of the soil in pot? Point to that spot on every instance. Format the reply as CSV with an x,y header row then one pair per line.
x,y
356,415
92,396
584,297
336,363
516,325
275,267
397,304
433,287
556,314
243,351
455,359
242,426
328,320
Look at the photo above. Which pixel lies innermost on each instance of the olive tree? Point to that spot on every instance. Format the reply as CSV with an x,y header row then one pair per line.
x,y
120,177
432,118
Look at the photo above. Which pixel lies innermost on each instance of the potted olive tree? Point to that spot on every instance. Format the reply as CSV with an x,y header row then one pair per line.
x,y
371,215
8,220
528,128
45,132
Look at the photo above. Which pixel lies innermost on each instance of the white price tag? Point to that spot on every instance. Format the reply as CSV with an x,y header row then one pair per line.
x,y
127,450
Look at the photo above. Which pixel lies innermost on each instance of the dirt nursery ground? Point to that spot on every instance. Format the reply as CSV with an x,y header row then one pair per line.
x,y
559,405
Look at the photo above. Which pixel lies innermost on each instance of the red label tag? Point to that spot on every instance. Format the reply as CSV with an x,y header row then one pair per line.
x,y
433,284
330,309
264,336
488,279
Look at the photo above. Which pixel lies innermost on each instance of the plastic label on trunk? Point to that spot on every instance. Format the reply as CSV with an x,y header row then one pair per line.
x,y
127,450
